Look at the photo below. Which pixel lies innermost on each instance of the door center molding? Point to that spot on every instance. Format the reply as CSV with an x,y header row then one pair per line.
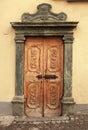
x,y
43,23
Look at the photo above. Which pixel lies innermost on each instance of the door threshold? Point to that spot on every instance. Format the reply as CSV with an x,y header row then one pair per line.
x,y
25,118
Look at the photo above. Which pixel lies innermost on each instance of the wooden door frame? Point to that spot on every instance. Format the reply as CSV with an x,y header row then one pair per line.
x,y
43,23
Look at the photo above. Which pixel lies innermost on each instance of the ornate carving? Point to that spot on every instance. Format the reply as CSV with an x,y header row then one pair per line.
x,y
53,92
33,58
44,15
52,59
53,95
33,91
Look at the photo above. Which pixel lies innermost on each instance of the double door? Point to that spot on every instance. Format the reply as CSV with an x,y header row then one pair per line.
x,y
43,76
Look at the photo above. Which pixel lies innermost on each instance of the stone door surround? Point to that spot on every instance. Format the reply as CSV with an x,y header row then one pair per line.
x,y
43,23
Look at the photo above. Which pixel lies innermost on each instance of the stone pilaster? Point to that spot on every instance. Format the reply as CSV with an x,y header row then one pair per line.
x,y
18,100
68,101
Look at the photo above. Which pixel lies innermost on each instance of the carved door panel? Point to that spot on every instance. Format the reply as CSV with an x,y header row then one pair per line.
x,y
32,85
53,83
43,76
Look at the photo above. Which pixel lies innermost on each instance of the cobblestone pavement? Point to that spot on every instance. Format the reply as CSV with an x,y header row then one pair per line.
x,y
76,122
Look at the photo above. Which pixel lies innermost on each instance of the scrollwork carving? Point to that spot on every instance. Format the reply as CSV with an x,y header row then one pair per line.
x,y
33,96
34,58
52,58
53,96
44,15
53,99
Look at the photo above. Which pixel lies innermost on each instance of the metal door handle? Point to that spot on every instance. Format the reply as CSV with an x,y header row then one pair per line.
x,y
39,76
50,76
47,76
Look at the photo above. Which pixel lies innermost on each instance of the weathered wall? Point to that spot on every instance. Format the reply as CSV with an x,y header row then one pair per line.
x,y
11,11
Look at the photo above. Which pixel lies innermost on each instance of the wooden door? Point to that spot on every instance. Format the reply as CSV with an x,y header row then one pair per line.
x,y
43,76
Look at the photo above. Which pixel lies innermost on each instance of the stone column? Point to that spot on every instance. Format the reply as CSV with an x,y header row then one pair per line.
x,y
68,101
18,100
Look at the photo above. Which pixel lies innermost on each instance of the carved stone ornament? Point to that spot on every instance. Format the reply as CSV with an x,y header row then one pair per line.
x,y
44,15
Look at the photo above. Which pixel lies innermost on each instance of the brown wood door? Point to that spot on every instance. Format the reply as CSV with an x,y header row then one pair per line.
x,y
43,76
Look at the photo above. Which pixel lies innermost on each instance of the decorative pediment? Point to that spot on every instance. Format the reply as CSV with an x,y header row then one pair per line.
x,y
44,14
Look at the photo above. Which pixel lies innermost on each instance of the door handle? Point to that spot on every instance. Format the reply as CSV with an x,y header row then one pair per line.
x,y
50,76
47,76
39,76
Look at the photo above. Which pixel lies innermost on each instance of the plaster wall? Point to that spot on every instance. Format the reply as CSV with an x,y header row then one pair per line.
x,y
11,11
